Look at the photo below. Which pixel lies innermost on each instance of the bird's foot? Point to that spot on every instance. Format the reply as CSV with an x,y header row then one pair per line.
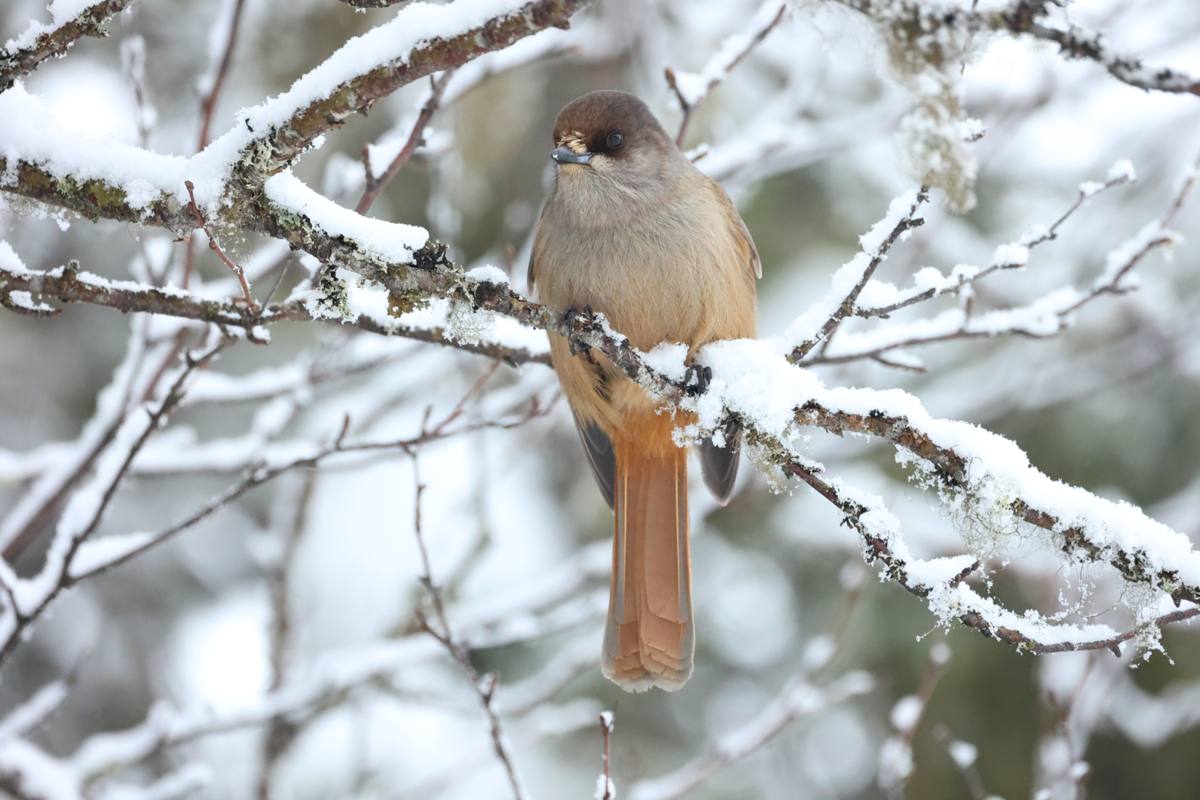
x,y
585,315
696,379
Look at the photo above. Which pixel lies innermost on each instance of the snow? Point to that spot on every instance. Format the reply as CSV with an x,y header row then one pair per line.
x,y
906,713
143,175
668,359
83,510
96,554
1121,171
10,261
41,776
488,274
806,327
388,241
759,385
1124,254
605,789
1010,255
33,710
964,754
61,12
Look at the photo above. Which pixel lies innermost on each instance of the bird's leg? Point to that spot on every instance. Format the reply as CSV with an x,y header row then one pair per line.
x,y
587,316
696,379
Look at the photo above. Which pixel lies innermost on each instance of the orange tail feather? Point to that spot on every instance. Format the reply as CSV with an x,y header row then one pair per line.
x,y
649,639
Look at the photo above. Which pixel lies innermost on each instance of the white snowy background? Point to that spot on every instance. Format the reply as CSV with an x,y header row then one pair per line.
x,y
274,648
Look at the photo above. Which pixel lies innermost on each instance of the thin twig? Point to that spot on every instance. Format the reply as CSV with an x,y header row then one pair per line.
x,y
689,105
209,104
606,731
485,685
202,223
906,223
416,138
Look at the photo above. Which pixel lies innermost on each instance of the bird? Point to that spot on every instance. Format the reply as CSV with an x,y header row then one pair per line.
x,y
634,231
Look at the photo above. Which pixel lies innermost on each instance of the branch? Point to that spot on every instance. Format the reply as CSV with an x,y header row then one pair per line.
x,y
40,41
69,285
88,505
308,222
420,41
1027,17
416,138
798,699
1045,317
691,90
484,686
1007,257
849,281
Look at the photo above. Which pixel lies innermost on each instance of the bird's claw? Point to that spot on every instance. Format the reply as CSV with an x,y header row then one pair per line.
x,y
696,379
587,316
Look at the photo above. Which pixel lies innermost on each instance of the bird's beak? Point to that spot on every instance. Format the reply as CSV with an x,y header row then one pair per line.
x,y
565,155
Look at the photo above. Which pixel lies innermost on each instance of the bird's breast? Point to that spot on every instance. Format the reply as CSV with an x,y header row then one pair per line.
x,y
652,275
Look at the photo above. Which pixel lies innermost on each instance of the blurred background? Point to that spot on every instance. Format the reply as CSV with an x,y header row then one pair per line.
x,y
807,134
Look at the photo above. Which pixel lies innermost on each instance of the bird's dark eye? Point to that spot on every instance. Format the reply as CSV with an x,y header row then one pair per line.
x,y
614,141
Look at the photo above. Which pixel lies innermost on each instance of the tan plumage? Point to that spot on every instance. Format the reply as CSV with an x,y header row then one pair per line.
x,y
643,237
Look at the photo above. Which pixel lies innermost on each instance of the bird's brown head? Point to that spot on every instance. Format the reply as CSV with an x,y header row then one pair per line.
x,y
612,135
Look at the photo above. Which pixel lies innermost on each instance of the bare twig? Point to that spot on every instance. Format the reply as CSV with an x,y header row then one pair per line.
x,y
1041,237
896,759
416,138
485,685
281,732
59,561
1040,319
202,223
606,730
719,71
797,700
209,104
964,762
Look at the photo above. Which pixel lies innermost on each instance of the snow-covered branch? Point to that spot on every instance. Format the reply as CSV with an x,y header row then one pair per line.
x,y
692,89
1026,18
41,41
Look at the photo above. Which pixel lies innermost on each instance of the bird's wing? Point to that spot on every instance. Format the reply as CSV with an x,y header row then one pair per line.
x,y
741,233
534,251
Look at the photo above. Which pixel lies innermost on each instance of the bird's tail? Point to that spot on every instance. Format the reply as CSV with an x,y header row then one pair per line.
x,y
649,638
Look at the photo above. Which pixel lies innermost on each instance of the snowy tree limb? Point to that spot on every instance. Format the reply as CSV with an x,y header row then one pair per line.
x,y
69,285
41,41
284,139
1028,18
